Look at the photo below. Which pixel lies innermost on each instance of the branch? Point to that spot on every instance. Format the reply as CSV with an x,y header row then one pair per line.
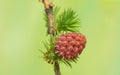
x,y
57,68
51,29
49,12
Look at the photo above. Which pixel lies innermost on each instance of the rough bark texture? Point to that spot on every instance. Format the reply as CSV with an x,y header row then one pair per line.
x,y
51,29
50,20
49,12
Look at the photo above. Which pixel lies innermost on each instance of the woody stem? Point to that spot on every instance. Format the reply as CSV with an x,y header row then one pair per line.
x,y
51,29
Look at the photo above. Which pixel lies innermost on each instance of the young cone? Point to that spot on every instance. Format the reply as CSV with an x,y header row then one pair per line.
x,y
70,45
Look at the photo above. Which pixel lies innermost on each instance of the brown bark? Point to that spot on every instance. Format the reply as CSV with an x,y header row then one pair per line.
x,y
57,68
49,12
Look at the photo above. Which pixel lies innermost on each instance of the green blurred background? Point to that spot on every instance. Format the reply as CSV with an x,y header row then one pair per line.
x,y
22,30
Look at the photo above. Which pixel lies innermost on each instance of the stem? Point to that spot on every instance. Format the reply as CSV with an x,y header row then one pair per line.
x,y
57,68
51,29
49,12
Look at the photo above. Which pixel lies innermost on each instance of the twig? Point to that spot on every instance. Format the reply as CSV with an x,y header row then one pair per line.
x,y
57,68
51,29
49,12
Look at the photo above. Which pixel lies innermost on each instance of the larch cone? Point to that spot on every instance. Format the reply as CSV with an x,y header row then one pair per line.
x,y
70,45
